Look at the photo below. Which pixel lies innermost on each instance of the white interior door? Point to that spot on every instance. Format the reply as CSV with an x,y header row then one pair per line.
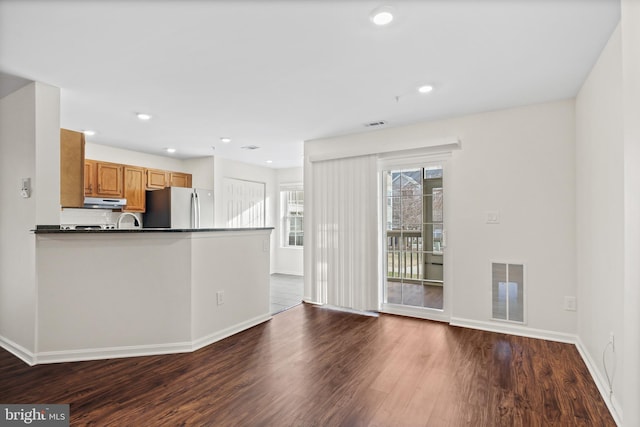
x,y
245,203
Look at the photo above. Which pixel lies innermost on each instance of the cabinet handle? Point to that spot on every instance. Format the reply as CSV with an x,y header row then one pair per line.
x,y
99,188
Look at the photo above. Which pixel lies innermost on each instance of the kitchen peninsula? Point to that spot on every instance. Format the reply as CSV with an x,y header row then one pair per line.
x,y
119,293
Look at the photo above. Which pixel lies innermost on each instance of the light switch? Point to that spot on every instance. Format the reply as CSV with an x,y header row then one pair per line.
x,y
493,217
25,191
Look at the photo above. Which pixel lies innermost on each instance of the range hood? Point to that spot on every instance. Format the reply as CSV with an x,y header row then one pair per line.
x,y
102,203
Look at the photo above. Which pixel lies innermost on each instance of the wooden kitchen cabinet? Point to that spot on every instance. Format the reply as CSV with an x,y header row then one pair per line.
x,y
71,168
109,179
179,179
103,179
90,178
157,179
134,188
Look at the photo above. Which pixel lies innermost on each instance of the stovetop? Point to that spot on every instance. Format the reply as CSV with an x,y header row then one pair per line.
x,y
87,226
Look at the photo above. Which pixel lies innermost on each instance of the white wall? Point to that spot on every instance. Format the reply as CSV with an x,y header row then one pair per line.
x,y
237,265
224,168
631,101
520,162
47,148
600,210
145,301
29,134
201,169
134,158
162,302
288,260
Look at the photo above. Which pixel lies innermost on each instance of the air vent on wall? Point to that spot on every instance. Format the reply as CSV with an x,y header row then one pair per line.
x,y
375,124
250,147
508,291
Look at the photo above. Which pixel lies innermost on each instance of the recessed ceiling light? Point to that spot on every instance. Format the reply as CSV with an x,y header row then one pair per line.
x,y
143,116
89,132
171,150
269,161
425,89
225,139
382,15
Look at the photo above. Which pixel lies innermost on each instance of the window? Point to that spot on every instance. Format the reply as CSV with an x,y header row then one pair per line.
x,y
292,200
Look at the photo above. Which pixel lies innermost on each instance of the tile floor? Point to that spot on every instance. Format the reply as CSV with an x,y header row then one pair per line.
x,y
286,291
412,294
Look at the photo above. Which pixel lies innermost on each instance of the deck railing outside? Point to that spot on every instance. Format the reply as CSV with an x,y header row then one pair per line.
x,y
405,255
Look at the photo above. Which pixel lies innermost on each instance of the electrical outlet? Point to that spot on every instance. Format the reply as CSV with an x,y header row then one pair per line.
x,y
570,303
612,342
220,297
493,217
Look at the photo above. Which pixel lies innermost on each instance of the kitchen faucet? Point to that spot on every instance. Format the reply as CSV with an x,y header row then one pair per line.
x,y
136,223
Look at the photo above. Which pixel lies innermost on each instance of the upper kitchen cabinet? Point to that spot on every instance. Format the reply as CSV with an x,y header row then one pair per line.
x,y
71,168
103,179
179,179
157,179
89,177
134,188
109,179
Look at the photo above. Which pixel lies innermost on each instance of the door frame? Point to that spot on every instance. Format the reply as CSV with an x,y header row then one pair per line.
x,y
401,162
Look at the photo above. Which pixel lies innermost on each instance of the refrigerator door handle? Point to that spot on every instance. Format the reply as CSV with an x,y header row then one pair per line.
x,y
197,209
193,210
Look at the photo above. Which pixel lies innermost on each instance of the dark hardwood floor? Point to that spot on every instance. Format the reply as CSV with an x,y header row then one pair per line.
x,y
311,366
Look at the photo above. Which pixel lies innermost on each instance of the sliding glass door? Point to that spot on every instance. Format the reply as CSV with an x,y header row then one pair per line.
x,y
414,239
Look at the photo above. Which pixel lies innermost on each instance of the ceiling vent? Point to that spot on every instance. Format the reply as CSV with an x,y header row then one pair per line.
x,y
375,124
250,147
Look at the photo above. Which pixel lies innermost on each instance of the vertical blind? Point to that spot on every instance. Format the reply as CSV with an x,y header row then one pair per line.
x,y
344,225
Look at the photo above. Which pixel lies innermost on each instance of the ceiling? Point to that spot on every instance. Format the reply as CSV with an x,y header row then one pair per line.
x,y
275,73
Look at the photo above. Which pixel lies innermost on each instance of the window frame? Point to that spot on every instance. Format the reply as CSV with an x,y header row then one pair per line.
x,y
286,217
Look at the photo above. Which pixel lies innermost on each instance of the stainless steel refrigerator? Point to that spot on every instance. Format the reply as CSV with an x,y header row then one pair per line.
x,y
178,207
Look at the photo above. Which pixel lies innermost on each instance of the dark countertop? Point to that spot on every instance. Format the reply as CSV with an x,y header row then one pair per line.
x,y
55,229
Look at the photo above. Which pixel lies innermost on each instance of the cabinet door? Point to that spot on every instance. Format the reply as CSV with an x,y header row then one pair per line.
x,y
156,179
109,177
71,168
134,189
179,179
89,178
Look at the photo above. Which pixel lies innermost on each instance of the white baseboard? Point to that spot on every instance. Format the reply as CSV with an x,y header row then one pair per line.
x,y
514,329
220,335
289,272
612,403
111,352
350,310
126,351
420,313
17,350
